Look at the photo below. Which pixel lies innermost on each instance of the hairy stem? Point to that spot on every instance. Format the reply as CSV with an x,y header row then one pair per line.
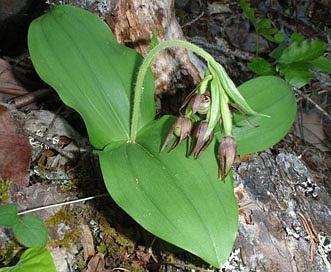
x,y
143,70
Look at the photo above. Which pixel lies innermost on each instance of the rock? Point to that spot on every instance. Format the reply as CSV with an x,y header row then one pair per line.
x,y
240,37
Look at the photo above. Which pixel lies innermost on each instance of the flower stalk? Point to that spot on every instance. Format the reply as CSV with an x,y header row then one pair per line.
x,y
210,103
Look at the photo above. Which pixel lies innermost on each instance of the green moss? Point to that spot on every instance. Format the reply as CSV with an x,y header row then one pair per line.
x,y
80,262
103,248
4,187
69,217
283,205
62,216
70,185
7,255
110,232
69,239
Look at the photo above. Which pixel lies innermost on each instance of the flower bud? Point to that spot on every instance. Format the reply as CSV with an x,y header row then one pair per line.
x,y
197,103
204,105
227,152
198,143
182,129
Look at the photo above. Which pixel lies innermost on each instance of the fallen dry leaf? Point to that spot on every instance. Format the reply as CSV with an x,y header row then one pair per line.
x,y
87,241
9,82
312,130
15,150
96,264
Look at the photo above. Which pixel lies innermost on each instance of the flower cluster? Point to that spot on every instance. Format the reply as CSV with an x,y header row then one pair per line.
x,y
183,127
211,104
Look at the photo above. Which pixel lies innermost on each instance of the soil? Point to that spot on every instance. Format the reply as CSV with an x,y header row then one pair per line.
x,y
63,167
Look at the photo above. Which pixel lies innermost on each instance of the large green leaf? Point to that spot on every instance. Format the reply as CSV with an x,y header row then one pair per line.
x,y
271,96
33,260
75,52
176,198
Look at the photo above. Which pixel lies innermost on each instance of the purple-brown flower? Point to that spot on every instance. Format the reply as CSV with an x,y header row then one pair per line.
x,y
181,129
227,152
198,143
197,103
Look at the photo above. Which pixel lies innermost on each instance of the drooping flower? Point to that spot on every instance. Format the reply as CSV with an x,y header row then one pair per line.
x,y
197,103
211,104
227,152
199,143
180,129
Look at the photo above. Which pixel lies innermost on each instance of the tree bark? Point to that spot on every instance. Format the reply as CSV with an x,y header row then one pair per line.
x,y
133,23
278,194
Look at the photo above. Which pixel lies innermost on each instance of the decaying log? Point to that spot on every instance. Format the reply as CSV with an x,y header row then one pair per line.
x,y
279,196
133,23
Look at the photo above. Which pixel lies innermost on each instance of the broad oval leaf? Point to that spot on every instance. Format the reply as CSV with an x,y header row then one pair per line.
x,y
31,231
174,197
271,96
75,52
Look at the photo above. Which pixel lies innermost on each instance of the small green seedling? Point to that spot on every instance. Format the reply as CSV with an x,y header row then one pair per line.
x,y
294,59
29,230
186,200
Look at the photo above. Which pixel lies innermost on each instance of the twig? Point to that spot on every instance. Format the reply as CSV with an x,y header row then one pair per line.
x,y
62,204
29,98
194,20
312,234
12,91
314,103
186,266
245,206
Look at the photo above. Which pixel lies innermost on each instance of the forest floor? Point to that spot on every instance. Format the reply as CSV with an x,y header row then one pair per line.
x,y
112,241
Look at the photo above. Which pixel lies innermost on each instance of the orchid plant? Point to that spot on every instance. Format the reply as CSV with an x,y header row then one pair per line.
x,y
174,196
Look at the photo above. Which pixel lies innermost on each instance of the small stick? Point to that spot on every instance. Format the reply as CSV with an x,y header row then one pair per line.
x,y
314,103
29,98
11,91
194,20
64,153
62,204
312,234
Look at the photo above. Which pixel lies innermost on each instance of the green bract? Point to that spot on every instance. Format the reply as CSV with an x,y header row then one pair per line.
x,y
178,199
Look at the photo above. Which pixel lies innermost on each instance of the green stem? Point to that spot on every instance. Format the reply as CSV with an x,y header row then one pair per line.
x,y
144,68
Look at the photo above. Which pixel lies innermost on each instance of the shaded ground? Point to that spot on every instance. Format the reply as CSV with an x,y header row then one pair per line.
x,y
79,231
